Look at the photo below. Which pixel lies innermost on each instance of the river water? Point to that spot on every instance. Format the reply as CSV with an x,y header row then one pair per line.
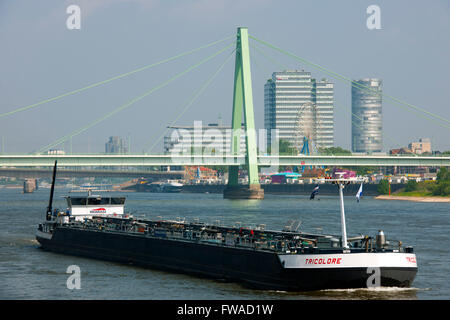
x,y
28,272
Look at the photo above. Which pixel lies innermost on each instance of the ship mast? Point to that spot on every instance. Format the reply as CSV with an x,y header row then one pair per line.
x,y
341,185
341,182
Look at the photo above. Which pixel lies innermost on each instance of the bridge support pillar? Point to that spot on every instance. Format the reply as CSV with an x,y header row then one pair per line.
x,y
243,103
243,192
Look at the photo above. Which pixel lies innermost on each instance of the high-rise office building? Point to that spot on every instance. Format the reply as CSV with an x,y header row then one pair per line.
x,y
367,135
297,105
116,145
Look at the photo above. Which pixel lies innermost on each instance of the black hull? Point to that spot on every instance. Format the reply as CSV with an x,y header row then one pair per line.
x,y
255,268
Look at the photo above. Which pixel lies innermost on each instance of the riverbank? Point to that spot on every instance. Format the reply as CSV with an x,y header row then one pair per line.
x,y
416,199
369,189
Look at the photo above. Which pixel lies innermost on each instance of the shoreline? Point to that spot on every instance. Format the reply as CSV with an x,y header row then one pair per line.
x,y
416,199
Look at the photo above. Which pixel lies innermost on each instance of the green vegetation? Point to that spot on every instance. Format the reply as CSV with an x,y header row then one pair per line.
x,y
443,175
284,148
334,151
440,187
413,194
411,185
363,171
383,187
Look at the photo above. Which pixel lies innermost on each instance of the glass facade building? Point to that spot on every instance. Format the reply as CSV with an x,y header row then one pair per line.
x,y
367,135
285,94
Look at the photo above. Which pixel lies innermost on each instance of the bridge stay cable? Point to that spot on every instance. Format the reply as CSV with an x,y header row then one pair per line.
x,y
431,116
133,101
93,85
191,100
279,64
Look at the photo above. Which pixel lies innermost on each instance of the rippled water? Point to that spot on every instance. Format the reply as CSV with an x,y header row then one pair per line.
x,y
27,272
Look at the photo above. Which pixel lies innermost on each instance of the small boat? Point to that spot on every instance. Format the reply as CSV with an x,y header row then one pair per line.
x,y
171,186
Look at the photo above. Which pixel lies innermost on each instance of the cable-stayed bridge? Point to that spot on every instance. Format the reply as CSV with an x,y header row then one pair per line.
x,y
243,112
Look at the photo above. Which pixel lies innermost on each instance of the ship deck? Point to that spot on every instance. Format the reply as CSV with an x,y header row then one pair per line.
x,y
257,238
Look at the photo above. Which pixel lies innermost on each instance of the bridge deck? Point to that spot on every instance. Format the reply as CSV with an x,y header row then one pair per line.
x,y
166,160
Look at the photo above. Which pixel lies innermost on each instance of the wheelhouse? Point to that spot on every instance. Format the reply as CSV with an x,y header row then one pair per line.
x,y
94,205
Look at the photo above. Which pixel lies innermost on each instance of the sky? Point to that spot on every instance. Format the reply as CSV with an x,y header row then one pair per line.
x,y
41,58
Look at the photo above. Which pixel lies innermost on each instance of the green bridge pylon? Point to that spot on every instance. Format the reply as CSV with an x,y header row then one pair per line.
x,y
243,103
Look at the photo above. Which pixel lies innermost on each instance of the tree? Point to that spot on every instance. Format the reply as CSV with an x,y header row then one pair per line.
x,y
383,187
411,185
285,148
334,151
442,187
443,174
362,171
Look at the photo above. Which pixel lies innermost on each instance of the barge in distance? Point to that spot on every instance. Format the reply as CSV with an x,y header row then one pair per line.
x,y
97,227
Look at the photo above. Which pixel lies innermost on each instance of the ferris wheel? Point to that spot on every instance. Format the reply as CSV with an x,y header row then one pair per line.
x,y
306,125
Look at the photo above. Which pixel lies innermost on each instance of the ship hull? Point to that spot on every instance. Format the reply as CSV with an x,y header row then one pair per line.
x,y
255,268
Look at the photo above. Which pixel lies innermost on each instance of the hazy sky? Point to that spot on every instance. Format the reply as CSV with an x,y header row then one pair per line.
x,y
41,58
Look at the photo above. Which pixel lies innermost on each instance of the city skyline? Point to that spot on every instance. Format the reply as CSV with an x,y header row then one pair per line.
x,y
43,59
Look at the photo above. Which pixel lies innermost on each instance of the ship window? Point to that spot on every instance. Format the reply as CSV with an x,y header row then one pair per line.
x,y
78,201
104,200
98,201
95,201
117,200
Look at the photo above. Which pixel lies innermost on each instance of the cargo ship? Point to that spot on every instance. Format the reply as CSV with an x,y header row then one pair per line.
x,y
97,227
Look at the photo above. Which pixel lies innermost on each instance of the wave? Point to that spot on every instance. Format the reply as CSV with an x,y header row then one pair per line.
x,y
377,289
